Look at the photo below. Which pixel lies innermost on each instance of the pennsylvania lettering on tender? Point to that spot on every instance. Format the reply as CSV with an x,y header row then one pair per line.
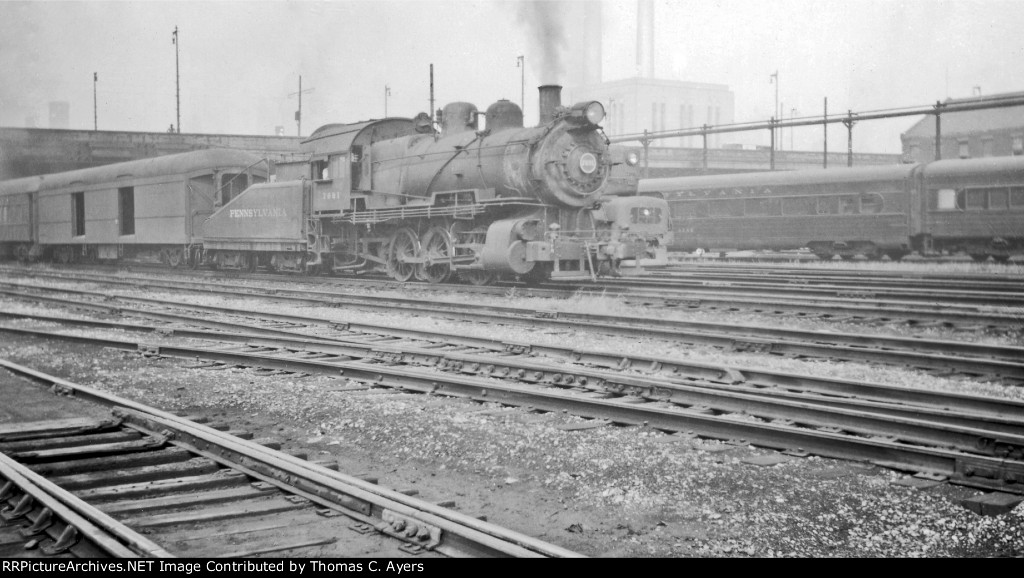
x,y
254,213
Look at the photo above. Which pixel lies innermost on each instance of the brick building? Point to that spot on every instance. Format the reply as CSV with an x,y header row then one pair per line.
x,y
992,132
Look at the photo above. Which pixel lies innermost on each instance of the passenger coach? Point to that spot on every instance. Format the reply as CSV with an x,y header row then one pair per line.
x,y
148,210
831,211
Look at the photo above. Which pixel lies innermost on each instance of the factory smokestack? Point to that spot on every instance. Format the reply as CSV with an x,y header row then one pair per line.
x,y
591,43
645,38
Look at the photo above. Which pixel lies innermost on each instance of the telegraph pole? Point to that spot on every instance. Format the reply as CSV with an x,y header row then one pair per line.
x,y
95,118
387,93
298,113
431,109
177,76
521,64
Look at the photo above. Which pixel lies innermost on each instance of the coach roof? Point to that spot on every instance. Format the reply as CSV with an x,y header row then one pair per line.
x,y
777,178
20,186
178,164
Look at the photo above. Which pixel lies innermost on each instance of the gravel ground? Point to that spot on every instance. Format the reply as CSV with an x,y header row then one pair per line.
x,y
605,491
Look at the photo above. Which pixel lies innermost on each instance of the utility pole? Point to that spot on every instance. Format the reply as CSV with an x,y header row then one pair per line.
x,y
773,78
177,76
825,126
521,64
431,109
298,113
95,118
387,93
792,113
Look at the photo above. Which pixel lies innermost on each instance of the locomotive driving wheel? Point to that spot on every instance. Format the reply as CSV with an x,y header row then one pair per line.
x,y
437,249
404,247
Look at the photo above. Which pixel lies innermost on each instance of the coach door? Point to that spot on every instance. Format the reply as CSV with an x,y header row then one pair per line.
x,y
917,204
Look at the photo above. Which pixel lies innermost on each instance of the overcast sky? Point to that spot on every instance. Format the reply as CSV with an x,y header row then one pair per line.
x,y
240,62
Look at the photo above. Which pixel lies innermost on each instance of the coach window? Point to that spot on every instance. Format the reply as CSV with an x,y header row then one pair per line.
x,y
126,210
964,148
801,206
753,207
701,209
977,199
871,203
1017,197
849,205
727,208
1018,145
948,200
78,213
998,198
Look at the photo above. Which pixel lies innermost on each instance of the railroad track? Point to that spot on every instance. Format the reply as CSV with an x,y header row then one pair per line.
x,y
981,446
842,304
146,483
856,278
987,362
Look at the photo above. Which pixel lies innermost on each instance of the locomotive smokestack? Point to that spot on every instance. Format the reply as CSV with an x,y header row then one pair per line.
x,y
550,100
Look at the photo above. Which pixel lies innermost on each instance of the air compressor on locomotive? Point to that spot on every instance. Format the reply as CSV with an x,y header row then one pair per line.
x,y
398,196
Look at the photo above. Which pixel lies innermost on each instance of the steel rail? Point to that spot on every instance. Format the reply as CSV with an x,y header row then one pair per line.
x,y
972,359
816,276
711,298
681,370
113,537
878,294
1003,473
461,534
1008,422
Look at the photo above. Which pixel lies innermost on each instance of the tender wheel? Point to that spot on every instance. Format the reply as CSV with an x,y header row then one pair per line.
x,y
979,257
895,254
1001,258
404,247
477,276
175,258
21,253
437,248
63,255
196,258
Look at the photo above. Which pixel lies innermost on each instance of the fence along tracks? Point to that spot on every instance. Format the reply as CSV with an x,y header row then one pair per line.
x,y
979,445
141,467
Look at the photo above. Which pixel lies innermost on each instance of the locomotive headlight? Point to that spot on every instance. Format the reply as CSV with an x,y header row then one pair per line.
x,y
594,113
591,112
632,159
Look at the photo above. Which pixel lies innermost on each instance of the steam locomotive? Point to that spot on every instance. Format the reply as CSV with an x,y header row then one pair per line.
x,y
394,195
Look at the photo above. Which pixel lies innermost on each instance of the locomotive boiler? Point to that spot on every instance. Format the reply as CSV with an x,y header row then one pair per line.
x,y
400,196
